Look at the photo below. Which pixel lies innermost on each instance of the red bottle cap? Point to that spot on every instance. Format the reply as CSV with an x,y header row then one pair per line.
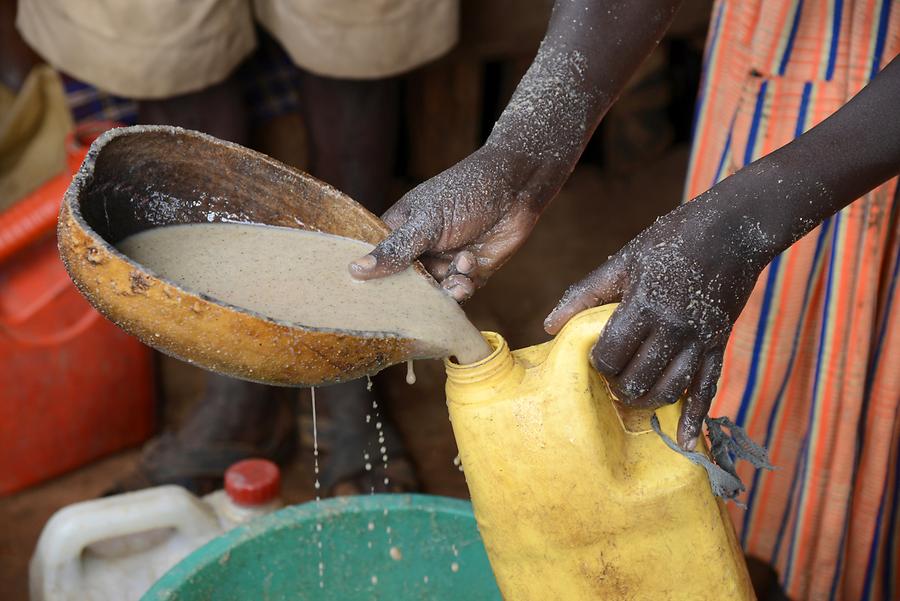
x,y
253,482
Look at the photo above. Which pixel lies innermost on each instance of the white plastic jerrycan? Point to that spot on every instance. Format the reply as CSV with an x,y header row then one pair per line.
x,y
115,548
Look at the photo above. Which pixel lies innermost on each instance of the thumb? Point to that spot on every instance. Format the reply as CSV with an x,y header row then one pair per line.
x,y
601,286
396,252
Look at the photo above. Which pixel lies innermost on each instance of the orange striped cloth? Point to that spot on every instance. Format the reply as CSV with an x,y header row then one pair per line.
x,y
813,365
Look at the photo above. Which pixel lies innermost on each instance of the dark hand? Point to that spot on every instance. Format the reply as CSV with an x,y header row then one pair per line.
x,y
466,222
684,280
463,223
682,284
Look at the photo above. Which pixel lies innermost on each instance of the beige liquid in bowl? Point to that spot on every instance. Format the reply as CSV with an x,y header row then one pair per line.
x,y
301,277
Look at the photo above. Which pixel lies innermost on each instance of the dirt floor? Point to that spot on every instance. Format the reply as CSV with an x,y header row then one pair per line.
x,y
595,214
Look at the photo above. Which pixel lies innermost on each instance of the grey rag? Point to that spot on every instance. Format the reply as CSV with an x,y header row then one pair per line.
x,y
725,448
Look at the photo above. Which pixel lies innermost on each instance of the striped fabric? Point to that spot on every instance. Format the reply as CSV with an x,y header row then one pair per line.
x,y
813,365
87,103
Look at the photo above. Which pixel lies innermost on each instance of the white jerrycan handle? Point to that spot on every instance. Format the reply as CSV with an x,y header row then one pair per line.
x,y
75,527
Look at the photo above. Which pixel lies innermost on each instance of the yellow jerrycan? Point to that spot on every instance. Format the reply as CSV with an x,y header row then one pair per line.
x,y
576,497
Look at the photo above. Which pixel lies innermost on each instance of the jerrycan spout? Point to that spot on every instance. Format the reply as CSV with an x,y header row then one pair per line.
x,y
479,380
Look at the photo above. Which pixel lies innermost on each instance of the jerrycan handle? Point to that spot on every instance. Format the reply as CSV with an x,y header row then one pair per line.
x,y
634,420
74,528
583,330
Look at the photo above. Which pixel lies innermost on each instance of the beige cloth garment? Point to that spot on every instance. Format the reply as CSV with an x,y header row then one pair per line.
x,y
160,48
33,128
361,39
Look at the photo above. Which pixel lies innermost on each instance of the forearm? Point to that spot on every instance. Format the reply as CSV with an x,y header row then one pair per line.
x,y
787,193
591,49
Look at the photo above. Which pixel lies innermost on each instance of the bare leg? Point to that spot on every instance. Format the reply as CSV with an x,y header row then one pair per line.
x,y
234,420
16,58
353,134
217,110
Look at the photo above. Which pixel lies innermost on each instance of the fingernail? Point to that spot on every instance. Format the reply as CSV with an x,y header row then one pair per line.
x,y
455,289
365,263
691,444
464,264
600,365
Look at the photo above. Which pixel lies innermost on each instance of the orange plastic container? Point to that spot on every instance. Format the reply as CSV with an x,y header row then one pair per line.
x,y
73,387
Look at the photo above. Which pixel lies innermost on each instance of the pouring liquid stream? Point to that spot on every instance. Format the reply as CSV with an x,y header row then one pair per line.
x,y
318,485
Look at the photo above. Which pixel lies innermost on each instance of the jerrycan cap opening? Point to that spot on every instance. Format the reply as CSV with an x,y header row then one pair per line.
x,y
499,362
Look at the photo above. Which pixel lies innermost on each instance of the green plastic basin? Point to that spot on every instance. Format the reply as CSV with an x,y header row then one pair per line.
x,y
397,547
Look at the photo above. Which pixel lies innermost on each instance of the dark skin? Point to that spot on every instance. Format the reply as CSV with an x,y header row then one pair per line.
x,y
218,110
681,283
352,127
16,58
469,220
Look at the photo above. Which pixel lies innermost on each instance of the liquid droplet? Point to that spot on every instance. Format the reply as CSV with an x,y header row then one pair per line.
x,y
312,392
318,485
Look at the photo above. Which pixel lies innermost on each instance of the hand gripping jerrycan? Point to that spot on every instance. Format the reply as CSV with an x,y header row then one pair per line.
x,y
576,497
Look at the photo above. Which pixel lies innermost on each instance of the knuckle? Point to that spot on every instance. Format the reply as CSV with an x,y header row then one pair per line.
x,y
623,327
642,314
574,291
594,278
666,395
676,330
631,388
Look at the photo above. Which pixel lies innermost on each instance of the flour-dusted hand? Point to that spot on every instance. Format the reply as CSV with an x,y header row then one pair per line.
x,y
466,222
681,283
463,224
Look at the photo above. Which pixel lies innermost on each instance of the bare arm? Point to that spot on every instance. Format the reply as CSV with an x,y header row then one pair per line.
x,y
590,51
683,282
467,221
